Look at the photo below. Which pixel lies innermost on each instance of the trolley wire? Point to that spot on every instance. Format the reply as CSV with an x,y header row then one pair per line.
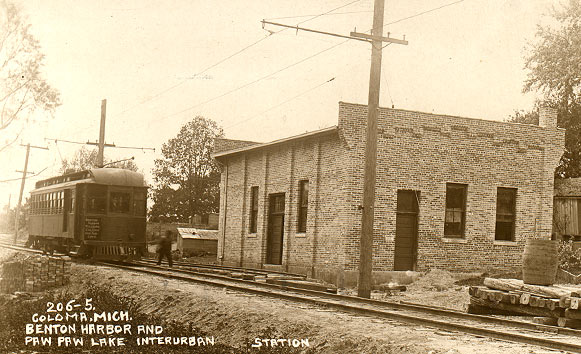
x,y
225,59
299,62
279,104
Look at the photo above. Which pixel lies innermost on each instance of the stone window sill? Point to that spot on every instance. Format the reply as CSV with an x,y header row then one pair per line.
x,y
505,243
253,235
454,240
301,234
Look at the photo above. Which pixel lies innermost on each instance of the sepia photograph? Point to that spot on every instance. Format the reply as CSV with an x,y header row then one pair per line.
x,y
290,176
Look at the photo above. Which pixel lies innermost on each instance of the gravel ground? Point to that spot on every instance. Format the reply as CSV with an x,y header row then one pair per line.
x,y
236,319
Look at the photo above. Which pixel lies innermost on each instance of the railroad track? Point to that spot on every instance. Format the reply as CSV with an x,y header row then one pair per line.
x,y
493,327
429,316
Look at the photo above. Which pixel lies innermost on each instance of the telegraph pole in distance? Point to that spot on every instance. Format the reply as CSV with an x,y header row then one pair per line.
x,y
22,188
101,144
376,39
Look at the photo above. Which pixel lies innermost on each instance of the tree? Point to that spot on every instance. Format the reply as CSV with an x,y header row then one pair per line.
x,y
23,90
554,68
186,179
85,159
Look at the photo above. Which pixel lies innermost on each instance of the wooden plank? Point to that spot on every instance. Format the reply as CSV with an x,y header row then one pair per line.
x,y
551,304
519,285
525,298
479,306
567,322
514,298
536,301
573,314
565,302
547,321
519,309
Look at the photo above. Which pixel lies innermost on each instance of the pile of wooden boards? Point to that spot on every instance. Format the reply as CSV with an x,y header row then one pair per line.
x,y
35,273
552,305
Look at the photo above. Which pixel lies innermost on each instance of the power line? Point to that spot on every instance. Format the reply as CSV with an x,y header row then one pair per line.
x,y
118,147
27,177
423,13
225,59
280,104
296,63
328,12
253,82
336,13
200,73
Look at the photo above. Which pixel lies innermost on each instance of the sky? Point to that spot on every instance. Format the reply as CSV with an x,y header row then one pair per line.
x,y
161,63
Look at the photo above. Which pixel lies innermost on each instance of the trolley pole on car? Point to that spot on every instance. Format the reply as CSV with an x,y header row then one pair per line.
x,y
24,172
101,144
376,39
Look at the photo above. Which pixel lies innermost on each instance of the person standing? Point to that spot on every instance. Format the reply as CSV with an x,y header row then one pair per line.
x,y
164,248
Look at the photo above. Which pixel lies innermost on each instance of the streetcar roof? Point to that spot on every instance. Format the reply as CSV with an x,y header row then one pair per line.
x,y
108,176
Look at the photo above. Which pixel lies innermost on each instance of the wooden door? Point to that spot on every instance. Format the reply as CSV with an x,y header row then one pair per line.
x,y
275,229
406,230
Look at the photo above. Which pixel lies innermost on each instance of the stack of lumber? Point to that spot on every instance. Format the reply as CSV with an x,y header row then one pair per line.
x,y
554,304
35,273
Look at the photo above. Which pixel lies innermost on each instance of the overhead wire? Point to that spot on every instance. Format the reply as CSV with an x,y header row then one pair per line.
x,y
336,13
300,61
252,82
423,12
25,177
118,147
223,60
280,104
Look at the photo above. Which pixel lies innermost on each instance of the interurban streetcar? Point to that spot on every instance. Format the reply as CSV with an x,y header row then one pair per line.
x,y
100,213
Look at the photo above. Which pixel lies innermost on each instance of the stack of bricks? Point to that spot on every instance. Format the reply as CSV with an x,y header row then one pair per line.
x,y
34,274
12,278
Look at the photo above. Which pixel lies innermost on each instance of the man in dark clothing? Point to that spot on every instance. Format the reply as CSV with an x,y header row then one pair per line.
x,y
164,248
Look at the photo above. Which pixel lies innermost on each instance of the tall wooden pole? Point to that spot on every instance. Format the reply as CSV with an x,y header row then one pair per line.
x,y
376,39
102,133
20,195
366,243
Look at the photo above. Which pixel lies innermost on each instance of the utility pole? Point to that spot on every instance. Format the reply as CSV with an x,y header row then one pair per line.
x,y
101,144
22,188
366,241
376,39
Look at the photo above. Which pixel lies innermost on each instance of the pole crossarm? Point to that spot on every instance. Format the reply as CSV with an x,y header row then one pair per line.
x,y
106,145
35,147
379,38
312,30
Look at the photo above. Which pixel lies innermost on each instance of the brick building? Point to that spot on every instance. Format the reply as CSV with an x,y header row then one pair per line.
x,y
452,193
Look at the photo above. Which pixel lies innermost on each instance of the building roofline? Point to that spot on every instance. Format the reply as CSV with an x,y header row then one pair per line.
x,y
450,116
319,132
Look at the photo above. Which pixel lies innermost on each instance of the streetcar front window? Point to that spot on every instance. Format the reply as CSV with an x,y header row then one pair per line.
x,y
139,203
119,202
96,199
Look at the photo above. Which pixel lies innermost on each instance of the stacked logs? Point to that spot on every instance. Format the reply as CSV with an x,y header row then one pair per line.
x,y
35,273
552,305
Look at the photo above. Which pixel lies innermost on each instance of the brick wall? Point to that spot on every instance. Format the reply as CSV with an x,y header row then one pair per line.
x,y
423,152
416,151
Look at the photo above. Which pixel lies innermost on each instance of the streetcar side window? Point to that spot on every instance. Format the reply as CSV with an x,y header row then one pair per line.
x,y
139,203
96,199
119,202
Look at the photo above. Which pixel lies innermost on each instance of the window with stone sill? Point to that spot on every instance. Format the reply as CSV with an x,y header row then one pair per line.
x,y
455,218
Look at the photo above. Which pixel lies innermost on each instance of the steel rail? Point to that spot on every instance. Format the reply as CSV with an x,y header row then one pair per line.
x,y
315,298
397,305
239,269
